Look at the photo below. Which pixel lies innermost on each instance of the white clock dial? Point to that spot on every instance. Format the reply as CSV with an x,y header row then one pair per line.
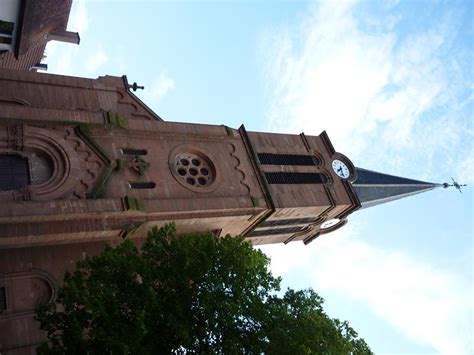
x,y
341,169
330,223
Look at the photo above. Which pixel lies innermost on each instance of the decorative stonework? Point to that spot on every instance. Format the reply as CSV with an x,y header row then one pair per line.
x,y
91,163
240,173
193,169
63,162
127,105
15,137
135,163
103,176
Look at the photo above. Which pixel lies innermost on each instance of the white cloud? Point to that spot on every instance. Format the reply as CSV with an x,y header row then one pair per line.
x,y
426,304
79,22
370,85
465,170
158,88
96,60
367,86
62,57
431,306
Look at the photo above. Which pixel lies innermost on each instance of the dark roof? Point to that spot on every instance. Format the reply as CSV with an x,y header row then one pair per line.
x,y
37,20
374,188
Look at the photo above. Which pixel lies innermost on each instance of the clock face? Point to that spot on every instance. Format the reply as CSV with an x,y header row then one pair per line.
x,y
330,223
340,168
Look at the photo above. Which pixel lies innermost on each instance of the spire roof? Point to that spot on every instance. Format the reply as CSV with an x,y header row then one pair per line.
x,y
374,188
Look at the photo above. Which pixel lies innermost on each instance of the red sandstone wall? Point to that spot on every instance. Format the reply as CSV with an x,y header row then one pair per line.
x,y
46,227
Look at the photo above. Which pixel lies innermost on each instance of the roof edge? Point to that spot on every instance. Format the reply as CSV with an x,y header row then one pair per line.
x,y
384,200
19,31
136,98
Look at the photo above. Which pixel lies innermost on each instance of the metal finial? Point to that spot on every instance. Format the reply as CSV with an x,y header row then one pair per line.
x,y
455,184
135,87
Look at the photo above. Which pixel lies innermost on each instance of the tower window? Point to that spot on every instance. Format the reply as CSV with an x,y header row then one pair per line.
x,y
275,231
6,32
290,221
142,185
129,151
287,159
295,178
6,28
3,299
14,172
5,40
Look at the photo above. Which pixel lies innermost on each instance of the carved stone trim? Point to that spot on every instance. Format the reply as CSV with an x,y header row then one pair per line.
x,y
137,164
15,137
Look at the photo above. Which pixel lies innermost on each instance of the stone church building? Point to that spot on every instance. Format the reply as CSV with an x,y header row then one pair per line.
x,y
84,162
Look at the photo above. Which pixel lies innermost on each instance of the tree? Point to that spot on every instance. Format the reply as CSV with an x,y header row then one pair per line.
x,y
194,293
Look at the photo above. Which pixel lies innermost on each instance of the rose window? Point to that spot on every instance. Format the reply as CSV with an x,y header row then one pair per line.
x,y
194,170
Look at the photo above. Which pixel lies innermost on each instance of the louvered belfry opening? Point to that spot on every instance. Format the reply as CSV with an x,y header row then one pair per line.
x,y
14,172
295,178
287,159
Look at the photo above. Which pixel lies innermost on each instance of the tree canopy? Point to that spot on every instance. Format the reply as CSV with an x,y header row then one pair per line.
x,y
195,293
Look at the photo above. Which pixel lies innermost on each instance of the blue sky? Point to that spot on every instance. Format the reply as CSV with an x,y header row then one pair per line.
x,y
391,82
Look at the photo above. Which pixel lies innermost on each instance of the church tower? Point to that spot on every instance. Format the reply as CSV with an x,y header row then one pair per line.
x,y
84,162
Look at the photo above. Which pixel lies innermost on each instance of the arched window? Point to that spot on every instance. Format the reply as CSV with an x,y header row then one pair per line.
x,y
14,172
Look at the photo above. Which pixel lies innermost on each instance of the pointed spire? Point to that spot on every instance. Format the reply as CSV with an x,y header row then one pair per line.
x,y
374,188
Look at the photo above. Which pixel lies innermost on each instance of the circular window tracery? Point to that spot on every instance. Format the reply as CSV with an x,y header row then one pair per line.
x,y
194,170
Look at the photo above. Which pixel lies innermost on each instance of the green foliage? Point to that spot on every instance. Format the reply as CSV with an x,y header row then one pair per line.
x,y
194,293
